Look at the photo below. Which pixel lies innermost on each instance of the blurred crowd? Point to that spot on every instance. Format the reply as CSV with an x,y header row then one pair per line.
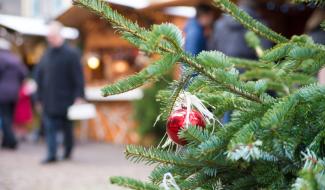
x,y
55,84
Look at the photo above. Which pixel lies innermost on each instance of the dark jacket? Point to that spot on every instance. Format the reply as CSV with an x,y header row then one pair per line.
x,y
318,35
195,41
12,73
60,80
229,36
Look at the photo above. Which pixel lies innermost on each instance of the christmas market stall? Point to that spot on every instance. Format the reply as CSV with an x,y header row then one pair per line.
x,y
107,58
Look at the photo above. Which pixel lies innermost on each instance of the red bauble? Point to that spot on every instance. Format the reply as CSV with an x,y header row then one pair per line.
x,y
176,122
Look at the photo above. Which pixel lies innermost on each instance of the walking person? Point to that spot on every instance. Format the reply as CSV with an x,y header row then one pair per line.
x,y
60,84
12,74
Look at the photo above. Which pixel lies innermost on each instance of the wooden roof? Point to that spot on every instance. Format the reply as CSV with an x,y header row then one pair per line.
x,y
75,16
171,3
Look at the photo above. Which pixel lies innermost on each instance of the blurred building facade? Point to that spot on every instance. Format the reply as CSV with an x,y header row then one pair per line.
x,y
34,8
10,7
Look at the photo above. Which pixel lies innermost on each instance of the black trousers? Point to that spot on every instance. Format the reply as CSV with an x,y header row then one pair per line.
x,y
6,120
52,125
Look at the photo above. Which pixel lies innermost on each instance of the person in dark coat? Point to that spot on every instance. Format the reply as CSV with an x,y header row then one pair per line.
x,y
229,35
60,84
12,74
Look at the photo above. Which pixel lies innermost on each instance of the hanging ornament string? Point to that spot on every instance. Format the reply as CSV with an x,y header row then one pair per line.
x,y
168,182
197,103
193,75
188,109
167,143
192,100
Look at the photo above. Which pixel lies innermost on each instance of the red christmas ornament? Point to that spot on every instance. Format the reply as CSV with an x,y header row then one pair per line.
x,y
177,121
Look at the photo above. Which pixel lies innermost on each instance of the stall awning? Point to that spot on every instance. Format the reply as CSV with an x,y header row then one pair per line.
x,y
94,94
33,26
173,7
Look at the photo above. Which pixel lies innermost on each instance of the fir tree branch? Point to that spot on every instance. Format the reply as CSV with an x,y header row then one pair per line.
x,y
195,181
279,112
316,2
254,42
277,52
169,105
214,59
248,22
219,141
157,174
246,182
316,144
101,8
248,64
194,134
286,125
179,173
212,145
133,184
128,27
246,134
151,156
150,73
229,87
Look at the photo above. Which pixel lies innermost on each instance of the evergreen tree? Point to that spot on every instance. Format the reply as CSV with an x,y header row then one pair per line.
x,y
270,143
147,109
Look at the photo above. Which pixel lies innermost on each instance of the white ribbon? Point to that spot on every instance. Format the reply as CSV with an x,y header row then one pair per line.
x,y
197,103
169,181
192,100
188,109
167,143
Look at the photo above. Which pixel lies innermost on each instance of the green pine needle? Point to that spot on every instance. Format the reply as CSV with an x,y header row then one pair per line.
x,y
316,2
150,73
214,59
152,156
133,184
252,40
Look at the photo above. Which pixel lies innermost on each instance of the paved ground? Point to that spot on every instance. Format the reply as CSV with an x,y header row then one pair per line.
x,y
89,170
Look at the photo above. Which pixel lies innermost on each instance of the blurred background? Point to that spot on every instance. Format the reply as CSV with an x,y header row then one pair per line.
x,y
120,119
